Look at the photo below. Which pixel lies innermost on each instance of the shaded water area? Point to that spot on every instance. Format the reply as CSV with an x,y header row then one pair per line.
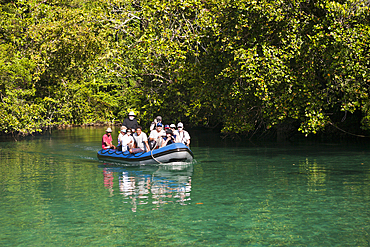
x,y
55,192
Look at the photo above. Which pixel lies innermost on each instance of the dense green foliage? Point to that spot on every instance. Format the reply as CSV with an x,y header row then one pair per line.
x,y
244,65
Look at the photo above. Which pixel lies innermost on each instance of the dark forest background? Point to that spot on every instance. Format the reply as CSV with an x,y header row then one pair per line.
x,y
253,68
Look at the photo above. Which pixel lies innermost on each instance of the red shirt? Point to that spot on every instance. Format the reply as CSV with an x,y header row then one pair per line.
x,y
106,139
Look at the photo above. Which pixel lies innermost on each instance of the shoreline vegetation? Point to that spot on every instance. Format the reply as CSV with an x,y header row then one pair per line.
x,y
279,135
18,136
244,69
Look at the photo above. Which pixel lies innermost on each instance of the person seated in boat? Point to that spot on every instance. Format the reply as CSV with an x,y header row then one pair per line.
x,y
127,141
173,128
130,122
157,120
155,137
107,140
169,138
141,140
120,136
182,134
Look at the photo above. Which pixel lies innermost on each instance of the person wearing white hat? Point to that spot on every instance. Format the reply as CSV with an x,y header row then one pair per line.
x,y
130,122
183,135
127,141
107,140
120,136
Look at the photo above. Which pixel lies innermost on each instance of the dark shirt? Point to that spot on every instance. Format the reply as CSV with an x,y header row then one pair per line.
x,y
130,124
171,140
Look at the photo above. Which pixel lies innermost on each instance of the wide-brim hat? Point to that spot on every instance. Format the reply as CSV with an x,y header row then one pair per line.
x,y
132,113
109,130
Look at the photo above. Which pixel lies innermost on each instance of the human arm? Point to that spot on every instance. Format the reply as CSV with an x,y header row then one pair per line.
x,y
177,139
111,143
107,141
164,142
147,146
153,124
119,139
130,141
187,136
151,138
152,135
145,141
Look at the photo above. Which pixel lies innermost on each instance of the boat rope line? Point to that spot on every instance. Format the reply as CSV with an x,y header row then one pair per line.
x,y
159,168
138,158
151,153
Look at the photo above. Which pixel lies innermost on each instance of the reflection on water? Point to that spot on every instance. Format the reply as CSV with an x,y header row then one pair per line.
x,y
55,192
153,185
316,179
318,174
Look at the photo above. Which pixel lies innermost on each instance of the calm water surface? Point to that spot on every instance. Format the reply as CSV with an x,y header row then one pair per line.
x,y
55,192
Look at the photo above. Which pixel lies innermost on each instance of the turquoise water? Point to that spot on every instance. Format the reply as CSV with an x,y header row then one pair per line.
x,y
54,192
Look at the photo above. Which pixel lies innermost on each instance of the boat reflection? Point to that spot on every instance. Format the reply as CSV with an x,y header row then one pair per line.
x,y
153,185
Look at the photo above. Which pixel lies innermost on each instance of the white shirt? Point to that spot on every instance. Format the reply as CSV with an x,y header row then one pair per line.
x,y
120,136
155,134
125,141
140,140
183,136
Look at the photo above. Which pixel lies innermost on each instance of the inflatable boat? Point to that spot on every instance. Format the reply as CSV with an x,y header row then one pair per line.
x,y
176,152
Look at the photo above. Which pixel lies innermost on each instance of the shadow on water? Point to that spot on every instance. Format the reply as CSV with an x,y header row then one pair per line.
x,y
300,148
